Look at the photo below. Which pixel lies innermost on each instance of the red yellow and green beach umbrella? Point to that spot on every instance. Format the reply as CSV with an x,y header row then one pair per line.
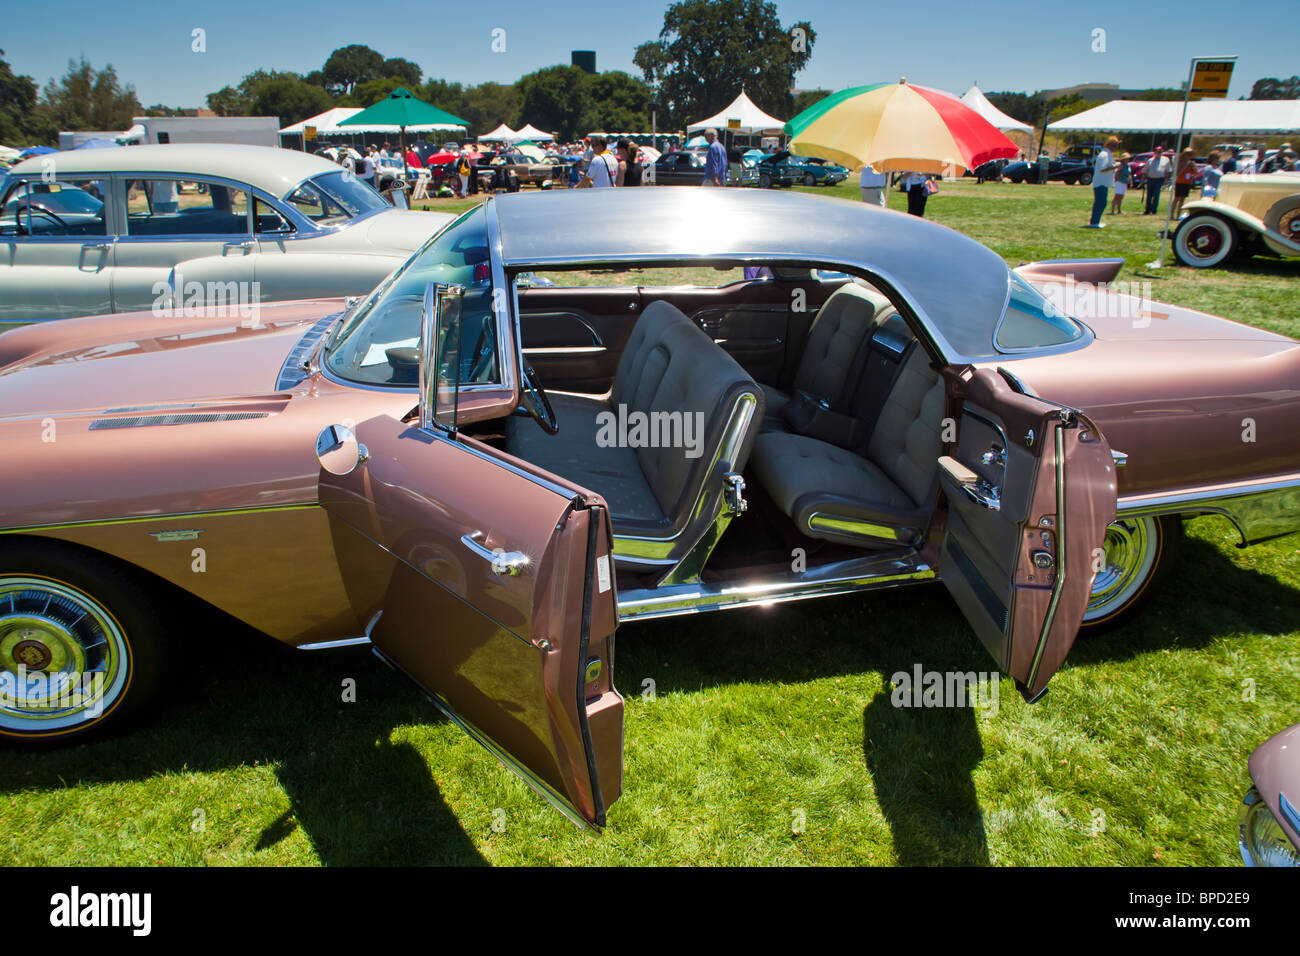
x,y
895,127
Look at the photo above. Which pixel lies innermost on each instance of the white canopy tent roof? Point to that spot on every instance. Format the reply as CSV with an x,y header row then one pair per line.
x,y
742,108
531,132
1226,117
976,100
502,134
327,124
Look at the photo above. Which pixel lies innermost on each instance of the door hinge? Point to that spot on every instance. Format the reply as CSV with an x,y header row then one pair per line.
x,y
733,490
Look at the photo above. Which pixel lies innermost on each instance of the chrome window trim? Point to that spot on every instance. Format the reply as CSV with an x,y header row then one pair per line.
x,y
125,235
919,321
25,179
1086,337
508,337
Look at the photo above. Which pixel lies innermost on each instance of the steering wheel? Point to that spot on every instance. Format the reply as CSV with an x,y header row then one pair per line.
x,y
535,401
483,351
42,211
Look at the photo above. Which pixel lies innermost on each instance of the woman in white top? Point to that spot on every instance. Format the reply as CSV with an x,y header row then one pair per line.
x,y
914,183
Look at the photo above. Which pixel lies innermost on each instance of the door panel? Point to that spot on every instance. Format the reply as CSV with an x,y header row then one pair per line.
x,y
575,336
54,278
507,655
1030,490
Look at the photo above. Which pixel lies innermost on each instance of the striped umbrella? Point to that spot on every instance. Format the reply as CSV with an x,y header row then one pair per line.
x,y
898,126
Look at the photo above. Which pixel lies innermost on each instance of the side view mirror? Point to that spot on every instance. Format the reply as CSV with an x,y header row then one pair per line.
x,y
338,450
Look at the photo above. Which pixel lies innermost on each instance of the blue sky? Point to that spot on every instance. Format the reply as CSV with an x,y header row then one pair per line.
x,y
944,43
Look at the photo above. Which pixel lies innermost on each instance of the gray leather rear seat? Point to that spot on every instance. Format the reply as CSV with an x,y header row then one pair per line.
x,y
671,369
877,495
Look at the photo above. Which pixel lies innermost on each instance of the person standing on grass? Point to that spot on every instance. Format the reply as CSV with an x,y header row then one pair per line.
x,y
715,163
1122,176
1184,177
1210,187
1230,164
1156,171
872,185
915,184
1103,177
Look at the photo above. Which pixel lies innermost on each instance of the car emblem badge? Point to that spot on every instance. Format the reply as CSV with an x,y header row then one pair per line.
x,y
188,534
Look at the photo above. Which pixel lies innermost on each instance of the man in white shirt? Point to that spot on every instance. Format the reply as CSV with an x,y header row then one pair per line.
x,y
1156,171
1103,178
368,170
873,185
604,167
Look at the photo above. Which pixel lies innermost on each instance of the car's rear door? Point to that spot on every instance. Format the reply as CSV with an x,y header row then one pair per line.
x,y
1030,487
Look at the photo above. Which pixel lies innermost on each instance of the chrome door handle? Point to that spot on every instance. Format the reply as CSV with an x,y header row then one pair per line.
x,y
99,245
984,493
506,563
239,244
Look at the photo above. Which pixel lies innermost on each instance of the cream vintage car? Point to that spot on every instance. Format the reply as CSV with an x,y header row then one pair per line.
x,y
1252,213
126,230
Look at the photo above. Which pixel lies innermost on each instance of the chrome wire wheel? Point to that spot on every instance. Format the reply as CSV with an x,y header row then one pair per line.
x,y
1133,548
64,660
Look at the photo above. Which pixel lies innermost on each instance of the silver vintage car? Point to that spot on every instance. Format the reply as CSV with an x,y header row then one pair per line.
x,y
123,230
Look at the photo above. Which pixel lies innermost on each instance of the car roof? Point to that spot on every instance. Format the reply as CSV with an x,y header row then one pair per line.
x,y
269,168
958,286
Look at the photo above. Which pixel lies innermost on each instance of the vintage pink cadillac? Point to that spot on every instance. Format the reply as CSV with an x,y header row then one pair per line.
x,y
878,402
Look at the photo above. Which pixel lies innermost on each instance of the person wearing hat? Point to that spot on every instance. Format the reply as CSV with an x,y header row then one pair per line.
x,y
1103,177
1123,175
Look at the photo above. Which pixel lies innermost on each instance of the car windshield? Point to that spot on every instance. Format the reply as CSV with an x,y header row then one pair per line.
x,y
331,198
1032,321
379,342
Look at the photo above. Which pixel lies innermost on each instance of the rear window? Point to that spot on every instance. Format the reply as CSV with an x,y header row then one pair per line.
x,y
1032,322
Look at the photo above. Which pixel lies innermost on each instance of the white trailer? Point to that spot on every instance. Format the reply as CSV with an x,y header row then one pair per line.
x,y
249,130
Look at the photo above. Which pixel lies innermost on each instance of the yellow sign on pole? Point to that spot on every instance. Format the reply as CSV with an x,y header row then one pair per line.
x,y
1210,79
309,133
733,123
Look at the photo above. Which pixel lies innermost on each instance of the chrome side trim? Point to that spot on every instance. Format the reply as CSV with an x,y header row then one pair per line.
x,y
842,577
328,645
819,521
1258,509
1061,563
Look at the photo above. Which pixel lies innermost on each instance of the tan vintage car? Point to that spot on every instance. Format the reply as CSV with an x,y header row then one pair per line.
x,y
119,230
842,399
1252,213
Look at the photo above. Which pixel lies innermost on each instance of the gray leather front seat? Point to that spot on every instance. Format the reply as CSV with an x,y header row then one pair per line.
x,y
669,370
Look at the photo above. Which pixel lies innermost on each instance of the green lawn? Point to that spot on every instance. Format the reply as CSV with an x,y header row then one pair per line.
x,y
760,723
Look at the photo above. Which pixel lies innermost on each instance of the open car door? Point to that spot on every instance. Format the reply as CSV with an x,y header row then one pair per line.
x,y
1030,489
489,586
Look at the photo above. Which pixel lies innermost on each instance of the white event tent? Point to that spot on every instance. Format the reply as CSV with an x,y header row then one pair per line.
x,y
327,124
1218,117
976,100
742,110
502,134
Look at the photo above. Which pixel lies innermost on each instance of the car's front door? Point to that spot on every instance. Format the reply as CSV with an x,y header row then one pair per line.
x,y
488,584
1031,488
56,250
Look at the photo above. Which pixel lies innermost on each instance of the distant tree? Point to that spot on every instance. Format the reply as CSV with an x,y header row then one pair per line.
x,y
315,78
1271,88
806,98
1163,93
556,99
444,95
289,97
372,91
88,99
351,65
619,103
710,50
159,109
23,121
1020,106
228,101
487,106
409,73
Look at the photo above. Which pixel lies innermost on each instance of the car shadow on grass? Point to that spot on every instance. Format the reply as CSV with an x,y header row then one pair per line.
x,y
358,797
